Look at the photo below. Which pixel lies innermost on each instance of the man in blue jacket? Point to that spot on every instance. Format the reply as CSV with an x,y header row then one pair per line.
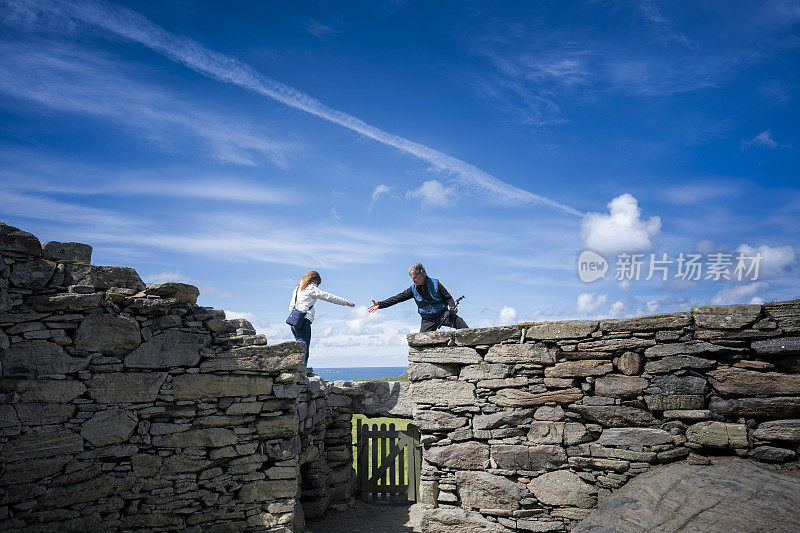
x,y
435,305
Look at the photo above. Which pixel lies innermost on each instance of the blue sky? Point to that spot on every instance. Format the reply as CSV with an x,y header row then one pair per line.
x,y
236,145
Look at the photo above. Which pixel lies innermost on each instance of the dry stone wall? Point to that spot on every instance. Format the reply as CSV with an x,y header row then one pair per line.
x,y
526,428
126,406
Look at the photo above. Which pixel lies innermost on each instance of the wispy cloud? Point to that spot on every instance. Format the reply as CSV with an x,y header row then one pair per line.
x,y
323,29
177,276
698,193
762,140
69,78
130,25
433,194
666,28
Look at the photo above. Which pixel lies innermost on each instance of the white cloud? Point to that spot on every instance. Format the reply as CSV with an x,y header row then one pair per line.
x,y
763,139
774,260
588,302
131,25
433,194
740,294
652,306
616,309
380,190
621,230
508,315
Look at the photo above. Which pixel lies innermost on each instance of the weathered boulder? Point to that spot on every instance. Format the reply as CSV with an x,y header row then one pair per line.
x,y
779,346
461,520
520,398
521,353
105,277
64,302
210,437
672,384
275,427
261,358
786,430
60,391
109,427
42,414
630,363
15,240
718,434
729,495
126,387
445,354
634,437
614,415
109,334
481,490
776,407
44,443
571,369
168,350
477,336
443,391
607,345
430,420
468,455
617,386
565,329
521,457
40,358
785,314
725,316
736,382
563,488
677,362
181,292
429,338
195,386
648,322
420,371
485,371
502,418
67,251
32,275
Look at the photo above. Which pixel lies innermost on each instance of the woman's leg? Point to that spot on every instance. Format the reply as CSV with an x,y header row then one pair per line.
x,y
305,336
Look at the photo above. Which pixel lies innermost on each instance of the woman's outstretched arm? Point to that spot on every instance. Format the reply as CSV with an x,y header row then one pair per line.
x,y
328,297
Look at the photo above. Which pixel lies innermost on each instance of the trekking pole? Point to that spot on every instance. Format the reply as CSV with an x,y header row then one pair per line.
x,y
446,314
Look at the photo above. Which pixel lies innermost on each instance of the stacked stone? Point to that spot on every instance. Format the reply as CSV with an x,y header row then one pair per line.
x,y
326,463
127,406
526,427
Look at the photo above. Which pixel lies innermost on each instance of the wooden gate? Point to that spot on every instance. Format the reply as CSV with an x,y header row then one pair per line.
x,y
388,462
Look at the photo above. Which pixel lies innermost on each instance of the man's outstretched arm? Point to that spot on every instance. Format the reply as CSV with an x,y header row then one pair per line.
x,y
388,302
447,298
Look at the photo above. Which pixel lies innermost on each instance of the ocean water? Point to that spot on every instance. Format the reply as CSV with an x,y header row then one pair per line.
x,y
359,372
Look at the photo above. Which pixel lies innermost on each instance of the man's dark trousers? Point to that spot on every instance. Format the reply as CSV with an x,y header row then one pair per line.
x,y
433,323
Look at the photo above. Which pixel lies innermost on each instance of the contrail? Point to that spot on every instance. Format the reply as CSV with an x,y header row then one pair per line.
x,y
137,28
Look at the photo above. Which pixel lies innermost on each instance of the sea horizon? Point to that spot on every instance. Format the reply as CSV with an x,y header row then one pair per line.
x,y
354,373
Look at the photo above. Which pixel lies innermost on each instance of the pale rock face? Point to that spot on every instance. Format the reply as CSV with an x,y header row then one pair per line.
x,y
109,334
563,487
481,490
109,427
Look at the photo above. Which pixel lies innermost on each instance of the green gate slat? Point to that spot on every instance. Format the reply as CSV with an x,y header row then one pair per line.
x,y
383,456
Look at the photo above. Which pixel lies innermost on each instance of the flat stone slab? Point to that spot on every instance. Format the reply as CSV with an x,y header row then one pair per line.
x,y
15,240
521,353
729,495
64,302
126,387
182,292
447,354
565,329
168,350
40,358
725,316
477,336
648,322
109,334
67,251
781,346
196,386
737,382
436,391
430,338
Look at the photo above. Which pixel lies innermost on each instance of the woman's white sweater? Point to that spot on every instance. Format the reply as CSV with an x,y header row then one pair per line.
x,y
308,297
